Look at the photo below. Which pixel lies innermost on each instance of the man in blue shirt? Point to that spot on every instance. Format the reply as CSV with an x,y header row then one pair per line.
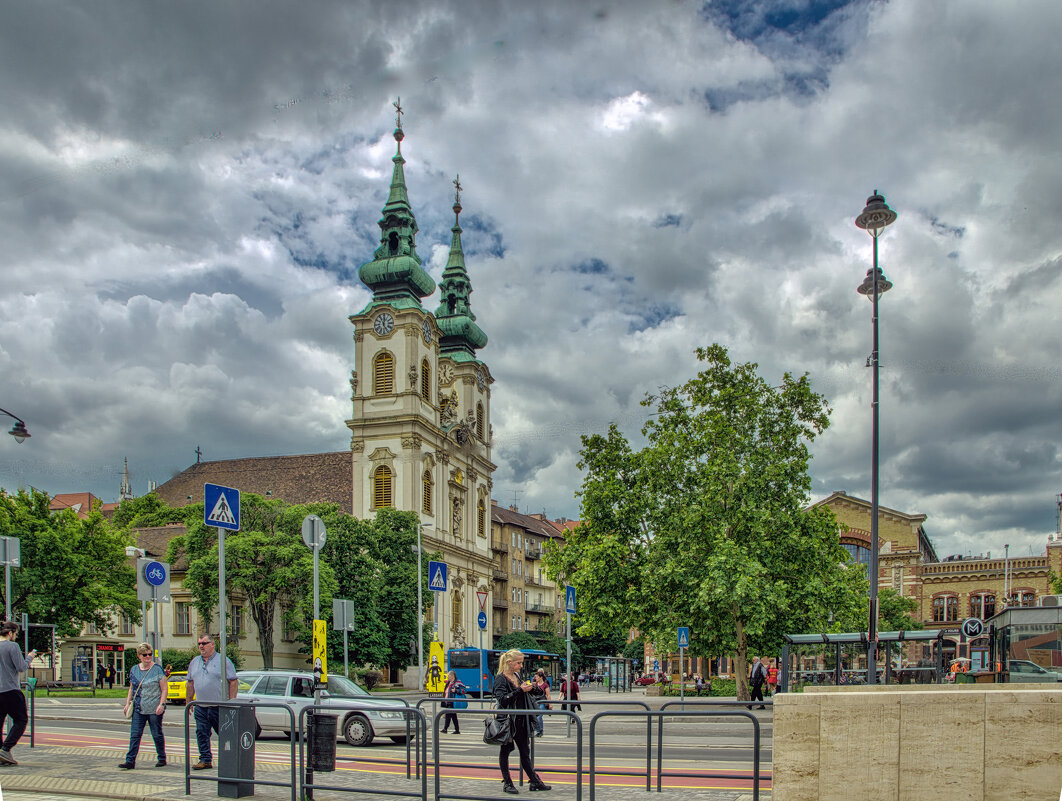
x,y
204,685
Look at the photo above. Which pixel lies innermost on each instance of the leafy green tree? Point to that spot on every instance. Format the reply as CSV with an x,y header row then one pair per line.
x,y
150,510
516,639
895,612
266,560
635,649
375,566
73,571
706,526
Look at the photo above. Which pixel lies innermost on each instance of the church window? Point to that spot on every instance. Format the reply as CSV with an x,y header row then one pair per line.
x,y
425,380
427,488
383,374
381,487
392,243
481,519
479,420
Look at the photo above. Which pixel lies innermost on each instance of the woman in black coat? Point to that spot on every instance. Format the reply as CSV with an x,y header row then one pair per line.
x,y
513,693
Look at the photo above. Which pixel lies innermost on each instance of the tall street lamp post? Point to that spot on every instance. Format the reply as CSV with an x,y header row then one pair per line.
x,y
875,217
418,549
18,430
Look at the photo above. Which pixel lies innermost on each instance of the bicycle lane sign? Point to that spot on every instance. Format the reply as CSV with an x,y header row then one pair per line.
x,y
152,581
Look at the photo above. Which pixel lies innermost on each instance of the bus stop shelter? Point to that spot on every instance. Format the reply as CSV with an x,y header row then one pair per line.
x,y
838,659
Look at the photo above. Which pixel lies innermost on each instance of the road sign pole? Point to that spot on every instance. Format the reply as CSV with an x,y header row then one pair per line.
x,y
156,652
682,677
7,592
221,610
420,610
568,671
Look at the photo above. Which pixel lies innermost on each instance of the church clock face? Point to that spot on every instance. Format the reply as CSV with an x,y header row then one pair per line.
x,y
479,380
446,373
383,324
425,328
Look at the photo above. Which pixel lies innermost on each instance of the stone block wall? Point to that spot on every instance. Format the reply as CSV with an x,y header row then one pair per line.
x,y
974,742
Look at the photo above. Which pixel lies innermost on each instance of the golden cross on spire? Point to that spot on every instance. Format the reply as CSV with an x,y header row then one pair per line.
x,y
457,190
398,112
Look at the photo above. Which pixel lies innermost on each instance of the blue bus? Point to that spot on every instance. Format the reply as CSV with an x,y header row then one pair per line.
x,y
477,667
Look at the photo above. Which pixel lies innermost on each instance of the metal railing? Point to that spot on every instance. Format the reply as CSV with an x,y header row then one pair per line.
x,y
660,714
343,710
436,763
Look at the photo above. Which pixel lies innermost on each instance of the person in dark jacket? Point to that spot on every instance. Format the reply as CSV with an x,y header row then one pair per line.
x,y
512,692
455,688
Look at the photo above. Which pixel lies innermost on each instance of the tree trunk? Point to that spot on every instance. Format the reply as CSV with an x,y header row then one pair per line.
x,y
741,661
263,618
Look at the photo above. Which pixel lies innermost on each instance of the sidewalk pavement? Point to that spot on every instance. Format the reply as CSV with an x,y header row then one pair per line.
x,y
49,772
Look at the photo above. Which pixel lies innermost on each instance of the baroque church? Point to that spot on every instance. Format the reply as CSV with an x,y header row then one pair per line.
x,y
420,422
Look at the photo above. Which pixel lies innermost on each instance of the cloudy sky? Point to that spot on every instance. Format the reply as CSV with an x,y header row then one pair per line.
x,y
187,191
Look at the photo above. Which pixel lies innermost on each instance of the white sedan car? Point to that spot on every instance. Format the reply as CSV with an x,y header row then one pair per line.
x,y
295,690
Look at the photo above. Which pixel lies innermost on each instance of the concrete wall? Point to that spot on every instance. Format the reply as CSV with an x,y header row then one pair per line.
x,y
973,742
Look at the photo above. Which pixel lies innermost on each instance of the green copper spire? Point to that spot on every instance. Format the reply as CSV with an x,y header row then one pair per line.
x,y
460,337
395,274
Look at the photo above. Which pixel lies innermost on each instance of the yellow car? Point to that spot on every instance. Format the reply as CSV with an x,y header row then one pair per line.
x,y
177,693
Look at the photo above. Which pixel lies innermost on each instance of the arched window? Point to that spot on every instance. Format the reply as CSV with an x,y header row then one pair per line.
x,y
381,487
425,380
383,374
481,519
859,553
426,493
479,421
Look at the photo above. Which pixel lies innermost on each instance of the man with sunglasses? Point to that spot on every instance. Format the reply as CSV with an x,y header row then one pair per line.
x,y
204,686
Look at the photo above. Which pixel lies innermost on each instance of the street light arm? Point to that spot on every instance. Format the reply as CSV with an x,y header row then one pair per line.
x,y
18,430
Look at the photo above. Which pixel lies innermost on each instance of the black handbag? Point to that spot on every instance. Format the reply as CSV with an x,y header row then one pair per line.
x,y
498,730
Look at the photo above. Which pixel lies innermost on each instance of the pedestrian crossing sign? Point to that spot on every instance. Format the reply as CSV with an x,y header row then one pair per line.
x,y
569,599
221,507
683,637
437,576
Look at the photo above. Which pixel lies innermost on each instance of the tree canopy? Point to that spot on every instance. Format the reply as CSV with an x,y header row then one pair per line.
x,y
266,560
706,526
73,571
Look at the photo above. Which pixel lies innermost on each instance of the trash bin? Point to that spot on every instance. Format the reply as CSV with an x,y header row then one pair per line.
x,y
964,678
236,726
321,738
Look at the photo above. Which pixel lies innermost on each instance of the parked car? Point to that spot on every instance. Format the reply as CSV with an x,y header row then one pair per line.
x,y
1022,670
645,680
295,689
178,690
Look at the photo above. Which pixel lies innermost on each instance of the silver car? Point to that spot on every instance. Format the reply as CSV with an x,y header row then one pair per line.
x,y
295,689
1021,670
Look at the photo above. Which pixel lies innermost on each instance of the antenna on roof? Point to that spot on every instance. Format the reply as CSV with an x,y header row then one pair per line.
x,y
516,497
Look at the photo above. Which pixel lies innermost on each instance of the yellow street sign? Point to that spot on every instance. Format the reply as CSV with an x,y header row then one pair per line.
x,y
435,680
320,649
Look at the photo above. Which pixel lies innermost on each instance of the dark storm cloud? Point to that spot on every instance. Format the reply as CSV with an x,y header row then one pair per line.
x,y
187,190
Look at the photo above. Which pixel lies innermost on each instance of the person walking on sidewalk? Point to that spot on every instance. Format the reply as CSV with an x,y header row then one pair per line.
x,y
512,693
455,688
12,701
570,691
147,695
757,676
204,685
